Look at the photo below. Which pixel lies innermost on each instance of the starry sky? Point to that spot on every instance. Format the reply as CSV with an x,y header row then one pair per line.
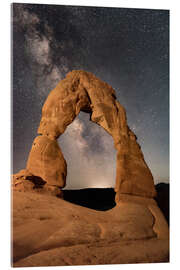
x,y
127,48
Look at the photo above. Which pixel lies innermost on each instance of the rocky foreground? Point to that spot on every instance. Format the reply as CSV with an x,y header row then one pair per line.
x,y
48,231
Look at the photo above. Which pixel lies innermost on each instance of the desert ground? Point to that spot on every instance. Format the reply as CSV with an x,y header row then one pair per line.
x,y
49,231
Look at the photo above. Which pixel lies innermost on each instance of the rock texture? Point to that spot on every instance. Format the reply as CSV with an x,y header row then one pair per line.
x,y
82,91
48,231
27,182
46,160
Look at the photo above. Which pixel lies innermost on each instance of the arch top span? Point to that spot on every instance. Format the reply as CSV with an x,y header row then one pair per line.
x,y
79,91
83,91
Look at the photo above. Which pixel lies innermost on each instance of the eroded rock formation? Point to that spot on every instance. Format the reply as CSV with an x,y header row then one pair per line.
x,y
82,91
46,160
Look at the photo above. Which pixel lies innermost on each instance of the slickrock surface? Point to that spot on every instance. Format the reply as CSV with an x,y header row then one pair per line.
x,y
50,231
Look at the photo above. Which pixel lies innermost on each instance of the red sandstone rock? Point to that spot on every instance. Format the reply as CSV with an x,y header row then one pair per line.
x,y
82,90
46,160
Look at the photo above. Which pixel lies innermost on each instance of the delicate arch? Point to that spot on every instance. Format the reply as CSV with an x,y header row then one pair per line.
x,y
83,91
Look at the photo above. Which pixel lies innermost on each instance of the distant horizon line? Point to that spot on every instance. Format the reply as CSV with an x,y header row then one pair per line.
x,y
162,182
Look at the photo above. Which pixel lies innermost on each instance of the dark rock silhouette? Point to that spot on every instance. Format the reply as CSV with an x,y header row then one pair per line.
x,y
96,198
162,198
104,198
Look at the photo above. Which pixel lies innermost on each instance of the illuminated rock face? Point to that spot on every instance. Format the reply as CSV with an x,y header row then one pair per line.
x,y
82,91
46,160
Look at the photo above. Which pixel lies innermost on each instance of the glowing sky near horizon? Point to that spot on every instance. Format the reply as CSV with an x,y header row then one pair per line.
x,y
127,48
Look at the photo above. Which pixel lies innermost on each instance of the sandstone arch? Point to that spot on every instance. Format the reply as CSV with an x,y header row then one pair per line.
x,y
83,91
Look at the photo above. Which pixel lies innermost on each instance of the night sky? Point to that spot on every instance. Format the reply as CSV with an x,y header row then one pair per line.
x,y
127,48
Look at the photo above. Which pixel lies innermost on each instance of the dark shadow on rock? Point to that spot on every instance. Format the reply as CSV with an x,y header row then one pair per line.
x,y
36,180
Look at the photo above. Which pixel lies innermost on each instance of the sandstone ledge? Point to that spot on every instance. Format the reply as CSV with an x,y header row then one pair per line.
x,y
48,231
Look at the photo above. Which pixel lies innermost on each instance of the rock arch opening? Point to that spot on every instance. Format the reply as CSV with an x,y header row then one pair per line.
x,y
91,164
89,153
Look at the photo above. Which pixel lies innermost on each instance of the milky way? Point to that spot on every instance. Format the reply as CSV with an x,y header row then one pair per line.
x,y
127,48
